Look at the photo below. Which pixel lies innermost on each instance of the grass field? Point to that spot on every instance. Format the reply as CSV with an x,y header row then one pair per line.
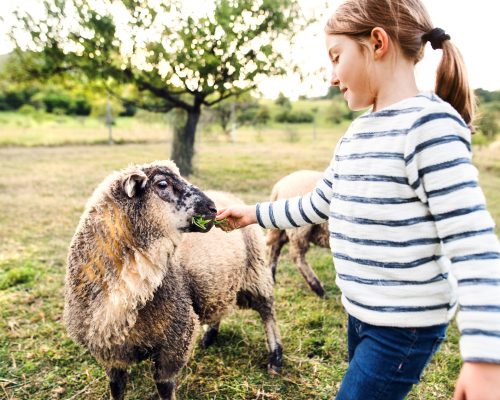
x,y
42,194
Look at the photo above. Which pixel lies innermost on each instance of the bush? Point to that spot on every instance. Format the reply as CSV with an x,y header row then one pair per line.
x,y
254,115
129,110
339,111
14,99
487,122
295,117
59,111
283,101
61,103
27,109
486,96
80,106
56,101
262,116
100,108
3,103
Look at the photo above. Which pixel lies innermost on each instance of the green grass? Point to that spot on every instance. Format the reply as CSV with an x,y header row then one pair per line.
x,y
41,129
42,194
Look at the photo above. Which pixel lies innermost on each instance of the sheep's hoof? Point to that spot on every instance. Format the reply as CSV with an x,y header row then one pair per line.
x,y
275,361
317,288
209,337
166,390
273,370
273,272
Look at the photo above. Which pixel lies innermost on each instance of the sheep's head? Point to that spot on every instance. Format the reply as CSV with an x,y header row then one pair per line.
x,y
158,201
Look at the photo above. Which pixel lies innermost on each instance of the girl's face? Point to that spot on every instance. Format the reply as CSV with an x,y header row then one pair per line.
x,y
351,71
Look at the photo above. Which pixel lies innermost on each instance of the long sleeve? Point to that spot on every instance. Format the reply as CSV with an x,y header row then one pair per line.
x,y
411,237
439,168
312,208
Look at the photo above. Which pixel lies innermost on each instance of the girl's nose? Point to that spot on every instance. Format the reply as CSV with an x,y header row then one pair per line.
x,y
334,81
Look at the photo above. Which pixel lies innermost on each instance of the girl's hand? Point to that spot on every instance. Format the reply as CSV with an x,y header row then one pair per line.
x,y
478,381
236,217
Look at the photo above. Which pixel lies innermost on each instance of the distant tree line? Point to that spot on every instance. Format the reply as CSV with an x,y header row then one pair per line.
x,y
488,117
244,110
54,100
485,96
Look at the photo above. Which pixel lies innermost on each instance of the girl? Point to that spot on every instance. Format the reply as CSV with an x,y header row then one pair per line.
x,y
411,237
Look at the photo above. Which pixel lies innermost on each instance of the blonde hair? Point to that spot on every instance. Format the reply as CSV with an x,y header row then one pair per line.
x,y
406,22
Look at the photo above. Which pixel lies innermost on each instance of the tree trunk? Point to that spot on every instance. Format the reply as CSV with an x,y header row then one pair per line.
x,y
185,123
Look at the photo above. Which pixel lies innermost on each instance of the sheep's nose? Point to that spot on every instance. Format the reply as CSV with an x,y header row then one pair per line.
x,y
206,206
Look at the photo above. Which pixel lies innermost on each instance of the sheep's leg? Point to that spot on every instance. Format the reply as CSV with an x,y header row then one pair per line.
x,y
274,252
275,347
166,369
298,249
169,359
117,382
265,307
210,335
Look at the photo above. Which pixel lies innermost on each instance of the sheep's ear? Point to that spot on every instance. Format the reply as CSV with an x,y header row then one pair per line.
x,y
133,182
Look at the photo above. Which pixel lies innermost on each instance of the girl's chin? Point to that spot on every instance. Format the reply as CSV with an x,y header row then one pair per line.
x,y
353,106
357,106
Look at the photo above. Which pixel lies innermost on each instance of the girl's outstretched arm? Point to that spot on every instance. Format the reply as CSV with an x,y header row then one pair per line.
x,y
236,217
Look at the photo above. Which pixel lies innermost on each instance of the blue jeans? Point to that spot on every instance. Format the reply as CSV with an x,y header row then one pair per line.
x,y
385,362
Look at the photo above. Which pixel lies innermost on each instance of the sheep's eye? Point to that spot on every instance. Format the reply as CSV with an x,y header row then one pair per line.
x,y
162,184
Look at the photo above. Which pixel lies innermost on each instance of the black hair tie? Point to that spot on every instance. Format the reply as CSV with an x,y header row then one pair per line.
x,y
436,37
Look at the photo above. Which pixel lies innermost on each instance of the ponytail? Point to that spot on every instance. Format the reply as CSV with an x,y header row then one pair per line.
x,y
452,84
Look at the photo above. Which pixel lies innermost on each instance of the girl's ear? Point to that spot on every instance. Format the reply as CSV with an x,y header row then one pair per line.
x,y
379,42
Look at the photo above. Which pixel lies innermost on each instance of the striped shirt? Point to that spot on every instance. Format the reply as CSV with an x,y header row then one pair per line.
x,y
411,238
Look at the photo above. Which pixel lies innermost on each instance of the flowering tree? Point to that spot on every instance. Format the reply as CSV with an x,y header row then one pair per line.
x,y
165,55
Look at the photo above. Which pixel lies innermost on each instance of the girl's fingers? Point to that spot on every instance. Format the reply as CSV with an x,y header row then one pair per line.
x,y
223,213
236,217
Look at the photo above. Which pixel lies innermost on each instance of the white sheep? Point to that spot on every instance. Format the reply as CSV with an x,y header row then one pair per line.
x,y
296,184
138,284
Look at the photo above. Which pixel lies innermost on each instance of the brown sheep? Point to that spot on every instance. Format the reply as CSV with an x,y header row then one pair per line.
x,y
296,184
138,284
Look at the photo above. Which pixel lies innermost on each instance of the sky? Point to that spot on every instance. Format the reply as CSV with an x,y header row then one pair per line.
x,y
474,27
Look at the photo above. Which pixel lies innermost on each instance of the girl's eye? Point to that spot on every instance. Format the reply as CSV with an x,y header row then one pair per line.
x,y
335,59
162,184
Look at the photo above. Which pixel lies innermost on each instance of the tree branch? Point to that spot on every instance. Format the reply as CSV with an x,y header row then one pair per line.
x,y
144,106
160,92
224,97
